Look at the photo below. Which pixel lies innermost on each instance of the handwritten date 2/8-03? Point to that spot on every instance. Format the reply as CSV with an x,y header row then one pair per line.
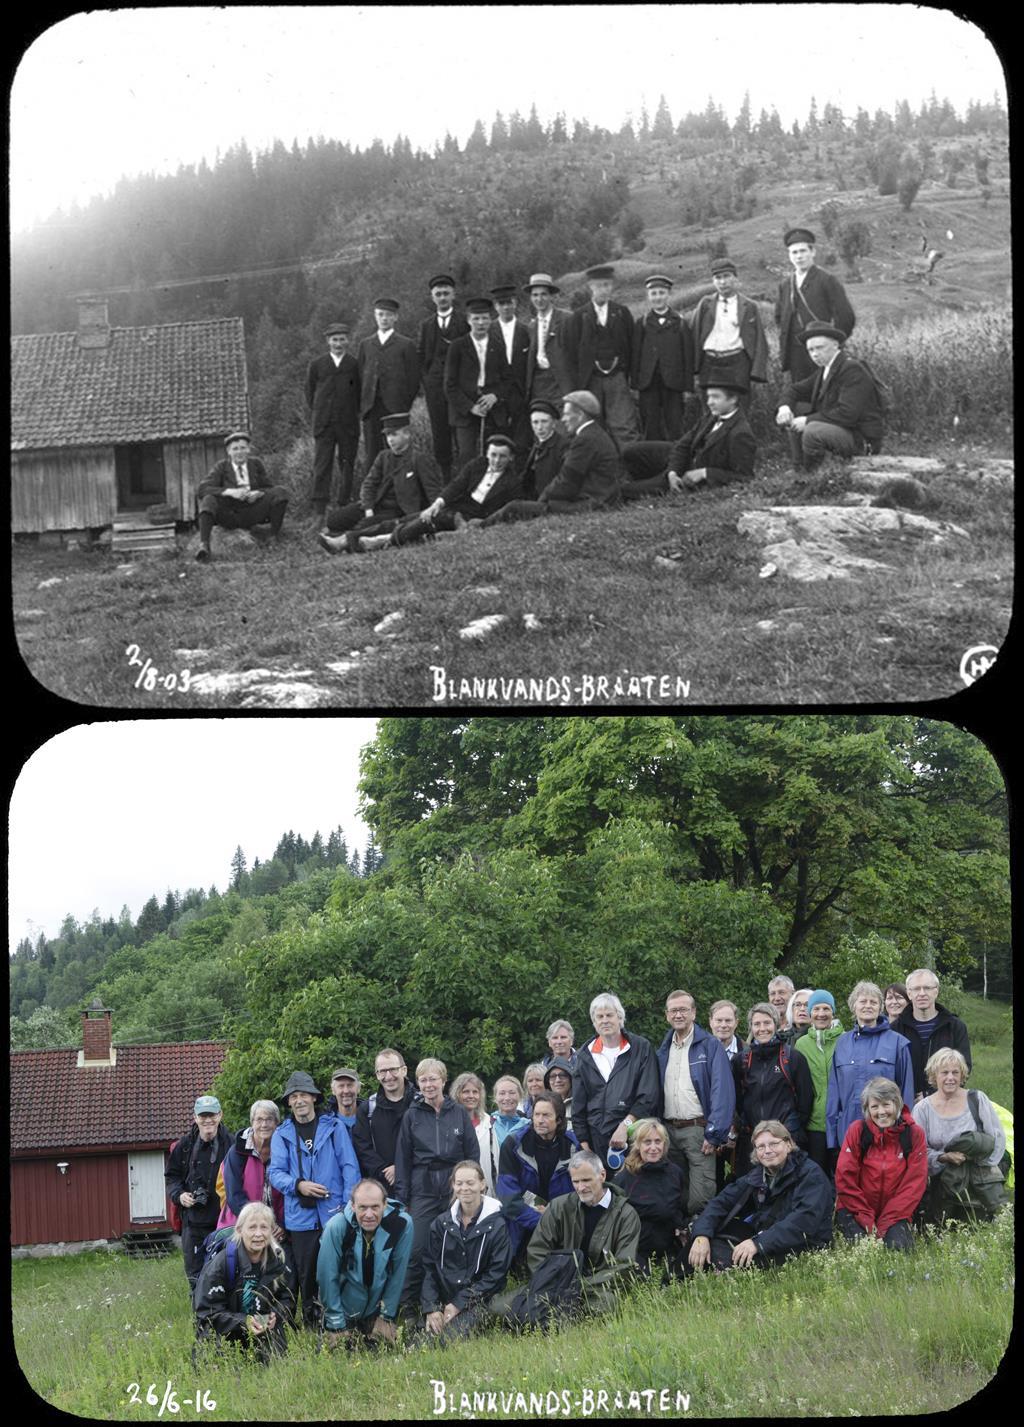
x,y
150,678
202,1401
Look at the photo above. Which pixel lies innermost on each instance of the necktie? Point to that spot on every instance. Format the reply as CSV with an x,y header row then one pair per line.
x,y
444,324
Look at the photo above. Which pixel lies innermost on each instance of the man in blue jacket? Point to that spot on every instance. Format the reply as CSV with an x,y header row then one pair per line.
x,y
698,1096
361,1267
314,1166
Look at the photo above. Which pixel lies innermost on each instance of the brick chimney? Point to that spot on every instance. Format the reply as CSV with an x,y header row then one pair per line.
x,y
93,325
96,1047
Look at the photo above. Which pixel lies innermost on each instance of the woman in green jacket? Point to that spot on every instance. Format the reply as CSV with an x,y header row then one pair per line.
x,y
818,1046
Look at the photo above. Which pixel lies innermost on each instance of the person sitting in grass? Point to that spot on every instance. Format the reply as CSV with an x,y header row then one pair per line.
x,y
246,1291
467,1257
657,1188
719,449
837,410
966,1142
534,1167
401,482
361,1267
238,495
882,1169
782,1207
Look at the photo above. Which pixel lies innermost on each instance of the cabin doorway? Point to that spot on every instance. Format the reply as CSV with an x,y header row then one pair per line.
x,y
141,480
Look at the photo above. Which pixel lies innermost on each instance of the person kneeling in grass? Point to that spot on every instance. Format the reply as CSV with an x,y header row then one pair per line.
x,y
719,449
782,1207
882,1170
361,1267
246,1291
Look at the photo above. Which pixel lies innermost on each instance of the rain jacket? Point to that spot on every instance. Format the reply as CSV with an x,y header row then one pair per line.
x,y
218,1298
949,1034
339,1267
711,1073
859,1056
775,1085
465,1267
519,1181
612,1253
819,1047
244,1179
784,1214
430,1145
633,1088
332,1164
877,1184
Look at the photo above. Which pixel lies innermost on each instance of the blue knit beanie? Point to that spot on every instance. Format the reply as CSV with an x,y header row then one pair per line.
x,y
820,998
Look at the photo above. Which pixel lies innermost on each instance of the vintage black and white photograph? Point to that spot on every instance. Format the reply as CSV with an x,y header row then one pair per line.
x,y
625,1066
503,356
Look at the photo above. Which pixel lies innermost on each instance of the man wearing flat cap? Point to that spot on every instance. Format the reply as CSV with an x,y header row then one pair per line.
x,y
550,443
809,294
602,335
476,382
516,337
718,450
550,364
401,482
238,495
728,333
332,395
662,366
589,476
389,375
837,410
484,485
437,334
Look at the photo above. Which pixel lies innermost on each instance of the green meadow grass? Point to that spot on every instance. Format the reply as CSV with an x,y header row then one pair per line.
x,y
851,1331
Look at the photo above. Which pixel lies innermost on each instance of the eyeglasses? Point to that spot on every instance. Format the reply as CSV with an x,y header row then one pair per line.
x,y
390,1070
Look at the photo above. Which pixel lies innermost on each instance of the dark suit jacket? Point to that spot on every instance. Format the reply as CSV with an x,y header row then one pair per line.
x,y
558,349
222,477
458,493
432,346
460,378
590,470
543,462
849,398
822,298
391,372
332,393
407,483
668,347
728,455
584,339
755,343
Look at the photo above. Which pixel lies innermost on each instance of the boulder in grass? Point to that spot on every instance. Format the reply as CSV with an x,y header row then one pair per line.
x,y
387,624
482,627
899,465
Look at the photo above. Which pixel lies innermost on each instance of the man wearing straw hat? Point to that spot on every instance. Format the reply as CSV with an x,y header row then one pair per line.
x,y
549,368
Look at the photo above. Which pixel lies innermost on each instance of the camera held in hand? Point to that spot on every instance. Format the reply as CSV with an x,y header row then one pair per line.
x,y
200,1196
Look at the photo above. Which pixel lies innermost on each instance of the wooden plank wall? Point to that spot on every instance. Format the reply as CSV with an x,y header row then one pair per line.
x,y
73,489
186,464
89,1202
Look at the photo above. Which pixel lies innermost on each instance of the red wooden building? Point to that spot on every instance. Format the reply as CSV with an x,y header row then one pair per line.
x,y
90,1131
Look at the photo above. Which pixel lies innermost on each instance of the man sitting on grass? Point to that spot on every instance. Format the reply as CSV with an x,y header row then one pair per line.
x,y
237,495
401,482
837,410
588,478
483,486
719,449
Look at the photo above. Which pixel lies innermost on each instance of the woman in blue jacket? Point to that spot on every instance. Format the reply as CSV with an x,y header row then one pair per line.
x,y
533,1167
871,1049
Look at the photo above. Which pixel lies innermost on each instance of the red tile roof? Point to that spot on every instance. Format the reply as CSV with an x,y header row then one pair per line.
x,y
181,379
146,1098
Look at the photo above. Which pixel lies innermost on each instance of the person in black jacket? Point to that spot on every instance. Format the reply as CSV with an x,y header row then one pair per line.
x,y
435,1135
929,1027
775,1083
467,1257
379,1118
662,364
723,1019
437,333
657,1188
616,1082
782,1207
246,1291
483,486
191,1179
718,450
332,395
835,411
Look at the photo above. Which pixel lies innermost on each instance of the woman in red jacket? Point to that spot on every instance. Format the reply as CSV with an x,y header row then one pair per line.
x,y
882,1170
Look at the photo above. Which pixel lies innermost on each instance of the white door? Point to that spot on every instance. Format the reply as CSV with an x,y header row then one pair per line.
x,y
146,1194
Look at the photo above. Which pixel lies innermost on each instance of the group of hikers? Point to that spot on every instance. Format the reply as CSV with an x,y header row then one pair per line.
x,y
619,1158
571,411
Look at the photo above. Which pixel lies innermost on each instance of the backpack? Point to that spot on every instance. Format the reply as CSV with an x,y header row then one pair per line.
x,y
867,1139
174,1213
784,1051
215,1240
555,1290
1006,1163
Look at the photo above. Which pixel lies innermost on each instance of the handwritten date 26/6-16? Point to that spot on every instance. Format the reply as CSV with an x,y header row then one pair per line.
x,y
202,1402
150,678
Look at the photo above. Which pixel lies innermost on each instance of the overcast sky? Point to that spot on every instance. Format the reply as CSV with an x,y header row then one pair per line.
x,y
186,793
114,93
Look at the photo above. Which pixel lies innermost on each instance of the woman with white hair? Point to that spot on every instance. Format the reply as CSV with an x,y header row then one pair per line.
x,y
965,1142
243,1177
616,1082
797,1018
245,1292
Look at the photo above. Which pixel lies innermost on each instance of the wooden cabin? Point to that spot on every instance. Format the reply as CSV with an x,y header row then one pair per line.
x,y
91,1129
108,422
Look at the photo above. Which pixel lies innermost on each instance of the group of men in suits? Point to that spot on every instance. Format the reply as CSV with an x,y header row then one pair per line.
x,y
571,410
